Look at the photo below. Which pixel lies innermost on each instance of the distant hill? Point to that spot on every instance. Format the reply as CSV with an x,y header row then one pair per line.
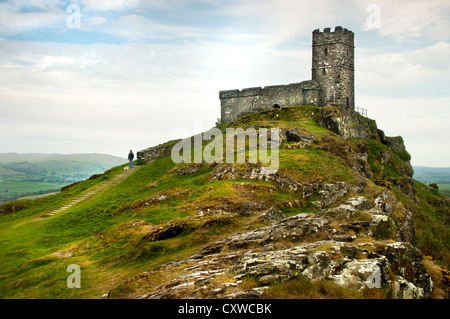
x,y
34,174
5,171
39,157
438,175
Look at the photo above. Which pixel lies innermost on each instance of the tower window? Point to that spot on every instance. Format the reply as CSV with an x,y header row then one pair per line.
x,y
324,71
326,51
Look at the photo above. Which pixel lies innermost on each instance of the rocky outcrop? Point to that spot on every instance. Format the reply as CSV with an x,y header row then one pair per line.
x,y
258,172
10,208
331,192
300,138
316,246
189,169
347,123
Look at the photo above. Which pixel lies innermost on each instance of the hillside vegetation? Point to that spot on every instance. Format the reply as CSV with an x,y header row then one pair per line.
x,y
341,210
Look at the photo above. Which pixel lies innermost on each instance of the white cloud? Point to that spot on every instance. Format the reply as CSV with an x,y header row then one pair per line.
x,y
57,97
15,22
38,14
413,20
101,93
97,20
424,71
106,5
123,5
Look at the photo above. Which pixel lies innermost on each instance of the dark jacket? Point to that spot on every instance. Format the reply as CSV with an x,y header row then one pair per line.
x,y
130,156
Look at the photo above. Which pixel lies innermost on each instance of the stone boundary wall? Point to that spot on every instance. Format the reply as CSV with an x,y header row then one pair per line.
x,y
152,153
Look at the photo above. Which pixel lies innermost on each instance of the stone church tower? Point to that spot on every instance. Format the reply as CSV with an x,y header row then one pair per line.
x,y
332,81
333,66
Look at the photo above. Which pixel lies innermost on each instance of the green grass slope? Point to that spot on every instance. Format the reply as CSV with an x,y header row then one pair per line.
x,y
124,229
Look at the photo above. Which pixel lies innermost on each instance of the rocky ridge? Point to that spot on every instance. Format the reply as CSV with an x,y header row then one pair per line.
x,y
355,240
356,244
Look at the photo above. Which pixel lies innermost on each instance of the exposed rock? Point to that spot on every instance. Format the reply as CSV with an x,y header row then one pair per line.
x,y
169,230
329,260
318,249
189,169
359,202
406,231
296,134
290,229
309,189
272,215
258,172
406,185
406,262
385,156
395,143
254,172
296,228
341,212
347,123
384,201
252,187
10,208
293,203
152,200
358,273
331,192
63,253
232,205
361,166
382,227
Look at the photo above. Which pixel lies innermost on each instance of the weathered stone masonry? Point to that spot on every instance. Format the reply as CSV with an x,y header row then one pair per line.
x,y
333,66
332,80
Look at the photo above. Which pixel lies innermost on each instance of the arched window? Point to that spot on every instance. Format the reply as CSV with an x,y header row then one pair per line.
x,y
326,51
324,71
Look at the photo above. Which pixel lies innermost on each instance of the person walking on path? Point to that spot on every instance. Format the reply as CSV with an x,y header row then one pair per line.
x,y
130,158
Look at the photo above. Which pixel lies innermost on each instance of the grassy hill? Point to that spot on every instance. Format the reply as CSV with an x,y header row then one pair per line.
x,y
30,174
150,231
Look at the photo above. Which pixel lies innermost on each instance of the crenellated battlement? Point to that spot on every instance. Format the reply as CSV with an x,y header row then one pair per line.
x,y
340,35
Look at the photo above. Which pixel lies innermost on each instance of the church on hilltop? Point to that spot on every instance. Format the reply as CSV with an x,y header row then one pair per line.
x,y
332,80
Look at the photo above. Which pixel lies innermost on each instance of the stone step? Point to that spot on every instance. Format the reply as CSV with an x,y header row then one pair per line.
x,y
83,197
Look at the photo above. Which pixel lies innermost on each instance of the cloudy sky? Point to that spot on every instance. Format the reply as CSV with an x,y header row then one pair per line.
x,y
106,76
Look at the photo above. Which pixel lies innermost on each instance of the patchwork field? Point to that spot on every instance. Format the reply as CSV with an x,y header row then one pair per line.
x,y
33,174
